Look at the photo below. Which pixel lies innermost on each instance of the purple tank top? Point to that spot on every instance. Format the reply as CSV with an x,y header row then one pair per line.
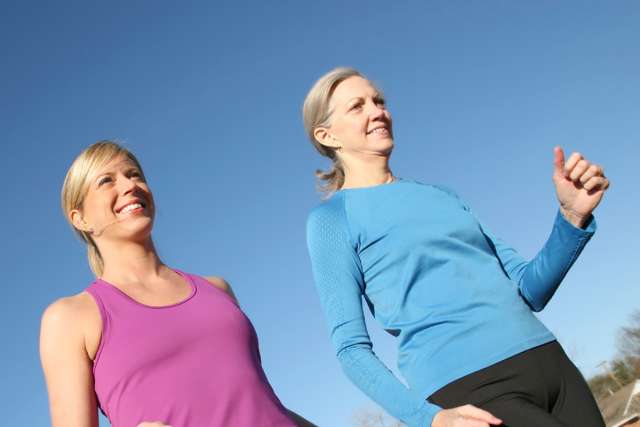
x,y
192,364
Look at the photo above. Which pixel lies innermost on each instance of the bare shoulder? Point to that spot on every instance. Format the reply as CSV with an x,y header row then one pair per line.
x,y
69,311
67,325
68,320
221,284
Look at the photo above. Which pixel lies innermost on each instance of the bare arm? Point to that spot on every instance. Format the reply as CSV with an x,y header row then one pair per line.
x,y
66,362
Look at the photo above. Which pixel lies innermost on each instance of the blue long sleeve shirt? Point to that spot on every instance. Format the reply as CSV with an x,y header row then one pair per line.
x,y
457,298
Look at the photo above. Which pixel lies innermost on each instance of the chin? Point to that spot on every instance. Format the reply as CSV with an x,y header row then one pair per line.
x,y
381,141
141,229
386,147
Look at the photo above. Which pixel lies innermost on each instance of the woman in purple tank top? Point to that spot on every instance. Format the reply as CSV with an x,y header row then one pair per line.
x,y
148,345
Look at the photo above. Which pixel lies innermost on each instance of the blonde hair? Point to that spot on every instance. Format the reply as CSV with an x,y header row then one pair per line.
x,y
316,112
76,185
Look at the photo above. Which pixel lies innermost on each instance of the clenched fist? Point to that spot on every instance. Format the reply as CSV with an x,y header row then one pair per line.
x,y
580,186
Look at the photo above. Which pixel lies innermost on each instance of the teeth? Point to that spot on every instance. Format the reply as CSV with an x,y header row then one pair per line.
x,y
131,207
379,130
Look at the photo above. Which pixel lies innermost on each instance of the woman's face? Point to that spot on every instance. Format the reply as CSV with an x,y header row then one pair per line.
x,y
118,204
360,122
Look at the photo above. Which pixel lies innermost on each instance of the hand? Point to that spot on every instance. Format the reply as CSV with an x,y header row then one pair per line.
x,y
580,186
464,416
152,424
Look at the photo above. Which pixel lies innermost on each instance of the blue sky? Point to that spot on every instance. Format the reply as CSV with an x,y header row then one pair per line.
x,y
208,95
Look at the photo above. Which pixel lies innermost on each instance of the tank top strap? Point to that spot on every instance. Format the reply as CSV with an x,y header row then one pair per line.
x,y
98,290
109,298
191,278
101,295
104,294
207,288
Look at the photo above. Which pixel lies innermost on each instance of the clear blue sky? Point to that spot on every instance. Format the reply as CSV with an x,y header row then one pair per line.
x,y
208,95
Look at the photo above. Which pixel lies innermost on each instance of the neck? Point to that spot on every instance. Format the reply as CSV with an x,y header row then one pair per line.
x,y
366,171
130,262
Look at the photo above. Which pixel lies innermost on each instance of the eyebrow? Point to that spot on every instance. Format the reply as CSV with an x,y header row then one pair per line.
x,y
131,166
375,95
355,98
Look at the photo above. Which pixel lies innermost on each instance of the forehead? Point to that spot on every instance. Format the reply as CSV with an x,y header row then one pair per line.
x,y
119,162
353,87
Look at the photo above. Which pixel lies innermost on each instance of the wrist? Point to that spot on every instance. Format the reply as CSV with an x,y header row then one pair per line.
x,y
573,218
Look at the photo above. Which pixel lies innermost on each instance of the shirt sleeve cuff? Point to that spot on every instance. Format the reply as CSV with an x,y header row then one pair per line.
x,y
571,230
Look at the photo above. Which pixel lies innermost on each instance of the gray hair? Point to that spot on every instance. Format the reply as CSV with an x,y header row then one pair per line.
x,y
316,112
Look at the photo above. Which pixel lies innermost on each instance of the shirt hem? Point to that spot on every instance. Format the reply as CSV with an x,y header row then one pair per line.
x,y
443,381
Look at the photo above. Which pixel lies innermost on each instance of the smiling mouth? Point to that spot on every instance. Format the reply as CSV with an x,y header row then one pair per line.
x,y
379,131
131,207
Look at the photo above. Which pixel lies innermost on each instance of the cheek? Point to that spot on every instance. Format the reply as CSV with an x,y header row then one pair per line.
x,y
354,128
91,207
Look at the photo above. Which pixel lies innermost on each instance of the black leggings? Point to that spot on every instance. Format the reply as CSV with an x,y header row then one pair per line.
x,y
539,387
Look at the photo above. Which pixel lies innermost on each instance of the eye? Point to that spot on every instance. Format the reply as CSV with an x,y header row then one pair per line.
x,y
356,106
380,101
135,174
104,180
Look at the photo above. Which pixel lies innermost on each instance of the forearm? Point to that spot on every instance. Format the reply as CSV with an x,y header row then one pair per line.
x,y
542,275
371,376
340,284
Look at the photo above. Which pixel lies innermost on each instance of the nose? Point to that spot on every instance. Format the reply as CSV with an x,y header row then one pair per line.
x,y
126,185
376,111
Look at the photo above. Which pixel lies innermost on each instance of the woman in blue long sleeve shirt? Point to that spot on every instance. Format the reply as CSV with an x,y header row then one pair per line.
x,y
459,300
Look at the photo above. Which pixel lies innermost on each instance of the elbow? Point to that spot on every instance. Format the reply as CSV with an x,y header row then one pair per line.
x,y
537,308
353,355
353,360
535,304
346,352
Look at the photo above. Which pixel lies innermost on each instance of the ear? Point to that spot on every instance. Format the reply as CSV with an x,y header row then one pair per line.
x,y
324,137
78,222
